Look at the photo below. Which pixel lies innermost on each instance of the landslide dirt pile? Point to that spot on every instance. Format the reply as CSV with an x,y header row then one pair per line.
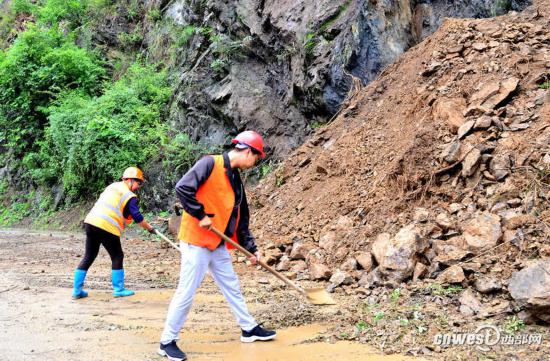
x,y
437,170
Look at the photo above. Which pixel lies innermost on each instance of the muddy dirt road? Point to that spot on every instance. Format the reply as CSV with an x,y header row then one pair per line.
x,y
41,322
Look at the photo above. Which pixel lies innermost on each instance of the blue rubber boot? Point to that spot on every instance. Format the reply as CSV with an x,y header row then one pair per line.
x,y
79,276
118,284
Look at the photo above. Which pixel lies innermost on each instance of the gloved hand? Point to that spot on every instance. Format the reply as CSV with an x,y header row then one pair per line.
x,y
153,230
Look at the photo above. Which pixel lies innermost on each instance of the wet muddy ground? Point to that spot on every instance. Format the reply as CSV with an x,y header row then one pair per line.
x,y
40,321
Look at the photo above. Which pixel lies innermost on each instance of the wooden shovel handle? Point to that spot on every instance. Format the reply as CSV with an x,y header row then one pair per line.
x,y
164,238
262,263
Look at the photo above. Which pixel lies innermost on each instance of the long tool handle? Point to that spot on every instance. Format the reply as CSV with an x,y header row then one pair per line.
x,y
164,238
262,263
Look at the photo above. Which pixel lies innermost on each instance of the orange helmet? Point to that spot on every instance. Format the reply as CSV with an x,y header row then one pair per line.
x,y
133,173
251,139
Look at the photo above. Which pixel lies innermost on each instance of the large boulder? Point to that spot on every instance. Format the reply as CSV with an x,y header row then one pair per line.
x,y
319,271
317,267
452,256
482,231
349,264
469,303
451,152
396,256
487,285
299,266
299,251
328,241
444,221
272,256
364,259
341,278
420,270
530,287
284,264
371,279
492,95
453,274
450,111
500,166
471,162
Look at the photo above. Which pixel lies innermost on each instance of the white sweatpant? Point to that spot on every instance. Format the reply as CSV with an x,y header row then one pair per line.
x,y
195,261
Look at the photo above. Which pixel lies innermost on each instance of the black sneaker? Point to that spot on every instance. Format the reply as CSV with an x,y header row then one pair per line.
x,y
172,351
257,334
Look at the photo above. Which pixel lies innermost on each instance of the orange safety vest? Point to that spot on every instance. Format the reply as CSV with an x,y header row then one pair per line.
x,y
107,212
218,198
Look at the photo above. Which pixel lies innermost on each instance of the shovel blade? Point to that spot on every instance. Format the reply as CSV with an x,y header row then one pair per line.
x,y
319,296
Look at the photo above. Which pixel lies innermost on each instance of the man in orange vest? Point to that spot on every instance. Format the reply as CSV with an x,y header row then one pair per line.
x,y
116,207
212,195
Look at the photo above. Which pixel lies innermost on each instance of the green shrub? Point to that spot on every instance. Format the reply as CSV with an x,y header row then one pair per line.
x,y
41,166
132,39
438,290
395,295
69,14
7,29
378,316
513,324
207,31
40,65
219,65
316,125
15,213
23,7
28,205
91,140
223,46
154,15
180,153
331,20
3,186
224,50
266,168
310,41
185,35
46,203
134,10
53,11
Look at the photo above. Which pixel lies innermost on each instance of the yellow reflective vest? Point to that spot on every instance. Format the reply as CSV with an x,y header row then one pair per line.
x,y
107,212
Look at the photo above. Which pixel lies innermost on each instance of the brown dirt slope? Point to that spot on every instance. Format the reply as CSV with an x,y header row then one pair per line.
x,y
458,125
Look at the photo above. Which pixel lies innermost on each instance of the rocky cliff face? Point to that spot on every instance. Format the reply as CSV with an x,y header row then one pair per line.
x,y
284,67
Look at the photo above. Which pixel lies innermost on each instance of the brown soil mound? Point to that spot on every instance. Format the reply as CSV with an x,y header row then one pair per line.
x,y
478,84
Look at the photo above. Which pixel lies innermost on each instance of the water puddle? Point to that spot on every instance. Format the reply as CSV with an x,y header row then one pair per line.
x,y
287,346
211,333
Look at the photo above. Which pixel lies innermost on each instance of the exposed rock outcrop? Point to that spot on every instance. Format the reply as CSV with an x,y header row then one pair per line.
x,y
281,67
530,287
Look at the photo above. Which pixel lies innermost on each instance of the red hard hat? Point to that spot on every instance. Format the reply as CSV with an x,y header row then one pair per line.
x,y
251,139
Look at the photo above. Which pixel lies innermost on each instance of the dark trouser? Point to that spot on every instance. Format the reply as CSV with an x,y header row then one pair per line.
x,y
94,238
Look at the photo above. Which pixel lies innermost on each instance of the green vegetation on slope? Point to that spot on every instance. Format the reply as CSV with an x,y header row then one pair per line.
x,y
70,117
39,66
90,140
